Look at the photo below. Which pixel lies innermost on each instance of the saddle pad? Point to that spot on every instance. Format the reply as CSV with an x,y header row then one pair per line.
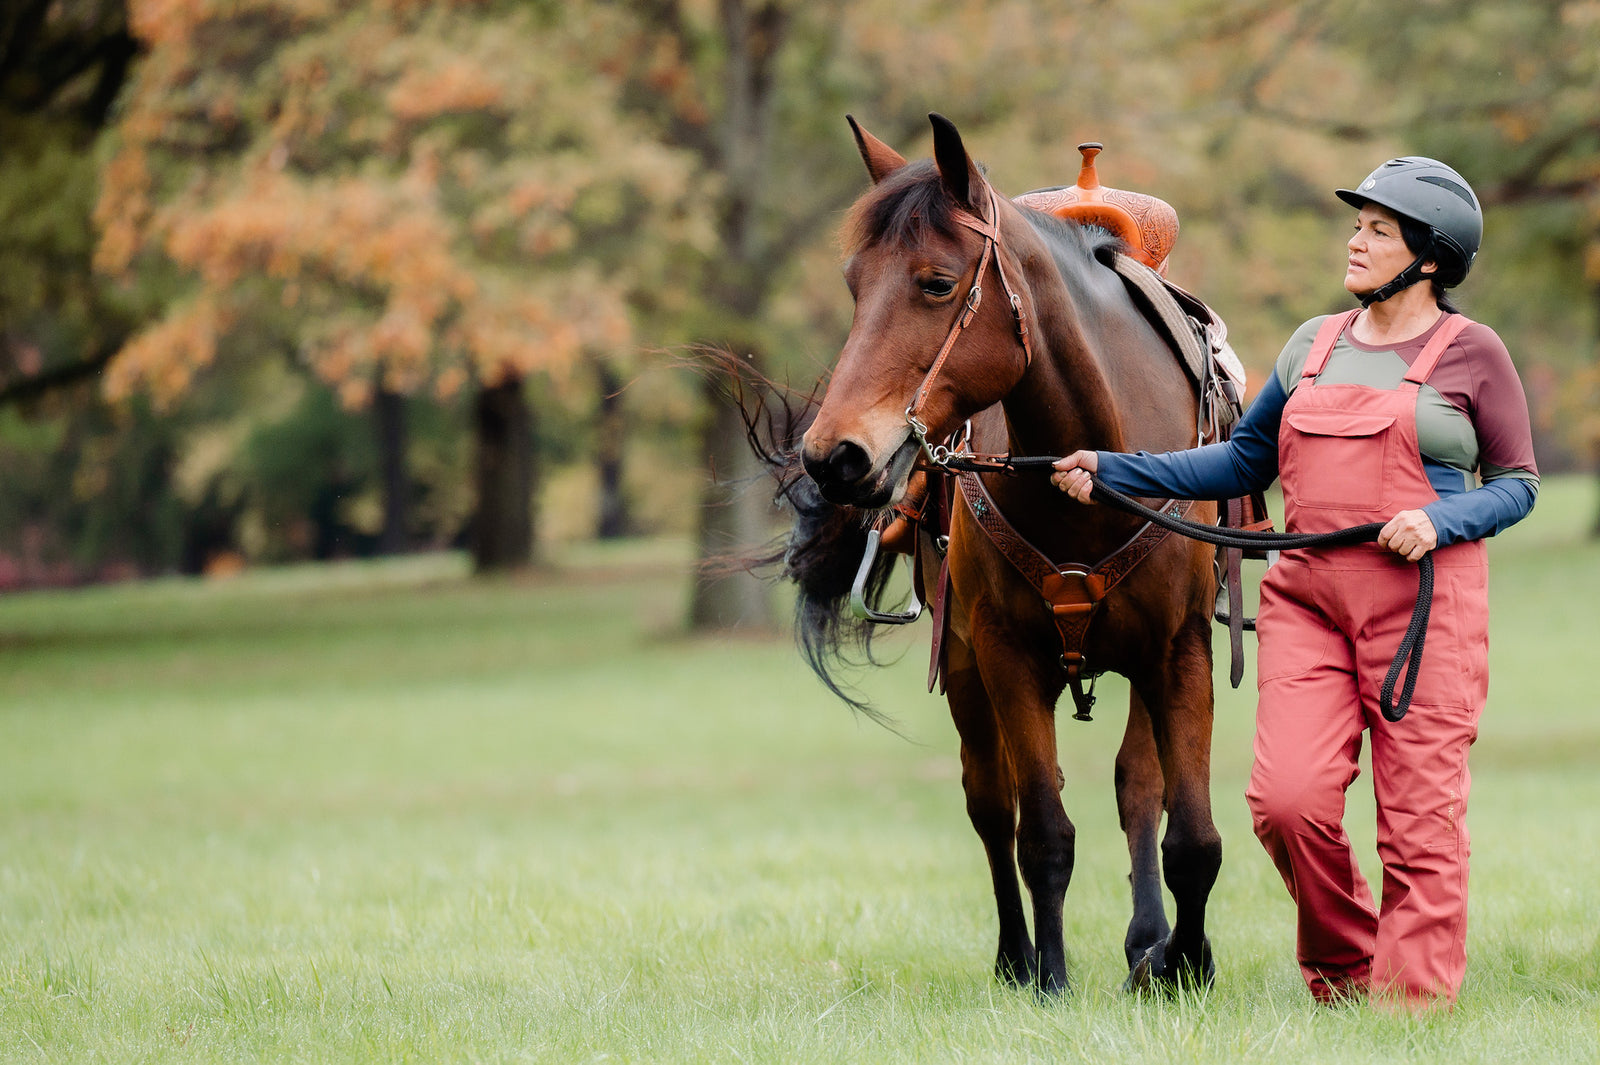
x,y
1195,332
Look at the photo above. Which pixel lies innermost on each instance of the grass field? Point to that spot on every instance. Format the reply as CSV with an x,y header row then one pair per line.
x,y
390,813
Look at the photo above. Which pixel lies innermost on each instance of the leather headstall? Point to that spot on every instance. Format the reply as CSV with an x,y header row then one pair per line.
x,y
989,230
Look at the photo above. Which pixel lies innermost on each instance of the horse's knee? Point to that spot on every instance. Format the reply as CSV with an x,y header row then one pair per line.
x,y
1139,798
990,815
1045,849
1191,855
991,796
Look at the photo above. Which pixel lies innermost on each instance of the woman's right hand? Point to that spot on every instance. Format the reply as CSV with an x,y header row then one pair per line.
x,y
1072,474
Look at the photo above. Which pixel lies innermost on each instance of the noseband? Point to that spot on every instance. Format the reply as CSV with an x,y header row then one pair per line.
x,y
989,230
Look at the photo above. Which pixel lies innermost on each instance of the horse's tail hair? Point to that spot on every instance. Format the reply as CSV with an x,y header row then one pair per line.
x,y
825,542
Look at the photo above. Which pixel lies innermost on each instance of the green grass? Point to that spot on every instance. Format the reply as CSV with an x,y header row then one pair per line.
x,y
390,813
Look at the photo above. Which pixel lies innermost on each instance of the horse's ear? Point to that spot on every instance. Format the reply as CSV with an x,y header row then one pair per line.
x,y
881,159
956,168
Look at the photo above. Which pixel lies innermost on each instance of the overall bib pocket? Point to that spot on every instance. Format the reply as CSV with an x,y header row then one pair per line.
x,y
1341,460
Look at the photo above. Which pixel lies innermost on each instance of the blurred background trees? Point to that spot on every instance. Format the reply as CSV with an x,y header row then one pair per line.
x,y
396,201
286,279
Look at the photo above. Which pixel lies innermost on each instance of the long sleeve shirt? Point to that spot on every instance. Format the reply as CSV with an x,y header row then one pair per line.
x,y
1472,417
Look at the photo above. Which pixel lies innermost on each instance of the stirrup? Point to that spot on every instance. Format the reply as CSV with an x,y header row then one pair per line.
x,y
858,590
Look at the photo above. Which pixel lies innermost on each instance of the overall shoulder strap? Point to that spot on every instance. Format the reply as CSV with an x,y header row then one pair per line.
x,y
1322,346
1448,330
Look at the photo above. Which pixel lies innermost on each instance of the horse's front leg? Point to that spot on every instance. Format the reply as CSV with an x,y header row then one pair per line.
x,y
1139,802
1024,707
1180,702
991,790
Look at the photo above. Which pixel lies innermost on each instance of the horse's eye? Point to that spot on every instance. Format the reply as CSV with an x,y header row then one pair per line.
x,y
938,287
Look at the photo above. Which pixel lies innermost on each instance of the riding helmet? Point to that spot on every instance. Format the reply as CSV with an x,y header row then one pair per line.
x,y
1426,191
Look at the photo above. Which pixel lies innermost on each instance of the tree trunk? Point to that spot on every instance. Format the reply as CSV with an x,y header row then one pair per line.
x,y
735,519
502,527
1594,447
613,520
389,413
737,502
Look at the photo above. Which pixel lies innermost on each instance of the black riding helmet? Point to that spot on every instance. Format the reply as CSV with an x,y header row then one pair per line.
x,y
1433,195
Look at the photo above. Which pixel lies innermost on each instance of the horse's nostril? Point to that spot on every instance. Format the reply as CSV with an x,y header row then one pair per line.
x,y
849,462
843,467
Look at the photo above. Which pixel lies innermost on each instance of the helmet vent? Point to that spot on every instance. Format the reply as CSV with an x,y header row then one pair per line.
x,y
1451,186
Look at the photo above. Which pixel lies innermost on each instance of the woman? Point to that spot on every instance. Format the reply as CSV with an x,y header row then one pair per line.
x,y
1379,414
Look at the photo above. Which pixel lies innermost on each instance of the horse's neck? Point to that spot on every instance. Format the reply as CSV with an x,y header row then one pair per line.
x,y
1066,400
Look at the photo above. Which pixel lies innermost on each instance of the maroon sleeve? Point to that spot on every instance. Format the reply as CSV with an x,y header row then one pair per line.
x,y
1499,409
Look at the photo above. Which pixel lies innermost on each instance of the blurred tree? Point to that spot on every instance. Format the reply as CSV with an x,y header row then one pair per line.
x,y
61,66
389,411
82,488
1504,90
613,518
293,475
757,90
402,196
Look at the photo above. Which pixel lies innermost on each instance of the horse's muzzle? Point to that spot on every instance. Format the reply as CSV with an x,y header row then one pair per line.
x,y
847,477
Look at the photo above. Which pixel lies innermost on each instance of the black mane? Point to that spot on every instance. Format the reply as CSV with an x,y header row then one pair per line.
x,y
1084,244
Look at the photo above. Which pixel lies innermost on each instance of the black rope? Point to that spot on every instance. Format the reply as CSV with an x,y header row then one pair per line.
x,y
1407,657
1409,654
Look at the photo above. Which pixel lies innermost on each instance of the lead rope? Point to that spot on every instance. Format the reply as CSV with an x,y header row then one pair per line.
x,y
1407,657
1409,654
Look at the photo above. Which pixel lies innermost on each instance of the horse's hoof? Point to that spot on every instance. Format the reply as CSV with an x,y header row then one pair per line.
x,y
1015,972
1155,972
1051,987
1139,979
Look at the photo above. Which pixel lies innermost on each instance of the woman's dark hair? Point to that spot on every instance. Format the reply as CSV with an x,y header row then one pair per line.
x,y
1451,272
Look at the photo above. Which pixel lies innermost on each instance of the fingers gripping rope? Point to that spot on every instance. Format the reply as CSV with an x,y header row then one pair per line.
x,y
1408,656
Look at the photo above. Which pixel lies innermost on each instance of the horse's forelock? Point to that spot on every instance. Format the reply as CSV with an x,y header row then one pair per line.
x,y
901,209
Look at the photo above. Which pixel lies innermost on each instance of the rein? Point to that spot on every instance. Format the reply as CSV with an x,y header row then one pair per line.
x,y
1408,656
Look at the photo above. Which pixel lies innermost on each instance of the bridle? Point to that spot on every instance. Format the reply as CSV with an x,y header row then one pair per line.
x,y
989,230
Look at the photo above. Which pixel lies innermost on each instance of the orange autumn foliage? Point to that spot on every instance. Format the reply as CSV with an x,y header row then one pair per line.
x,y
458,87
168,354
404,193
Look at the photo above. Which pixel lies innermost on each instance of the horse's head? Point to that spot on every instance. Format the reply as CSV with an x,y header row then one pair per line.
x,y
915,245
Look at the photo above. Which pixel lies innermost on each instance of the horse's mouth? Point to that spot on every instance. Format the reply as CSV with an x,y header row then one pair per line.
x,y
879,489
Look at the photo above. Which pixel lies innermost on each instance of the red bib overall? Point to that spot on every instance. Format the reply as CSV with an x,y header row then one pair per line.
x,y
1330,621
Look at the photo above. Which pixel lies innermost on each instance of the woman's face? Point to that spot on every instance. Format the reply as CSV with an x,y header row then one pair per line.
x,y
1377,251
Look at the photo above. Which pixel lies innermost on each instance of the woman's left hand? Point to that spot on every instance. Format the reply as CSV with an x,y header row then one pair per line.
x,y
1410,534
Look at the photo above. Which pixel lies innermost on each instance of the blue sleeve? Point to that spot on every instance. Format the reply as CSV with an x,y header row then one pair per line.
x,y
1247,462
1484,511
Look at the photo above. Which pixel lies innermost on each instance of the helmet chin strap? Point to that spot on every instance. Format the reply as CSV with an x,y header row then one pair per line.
x,y
1403,280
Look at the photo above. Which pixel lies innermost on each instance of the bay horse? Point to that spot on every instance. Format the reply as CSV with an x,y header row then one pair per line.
x,y
1069,362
